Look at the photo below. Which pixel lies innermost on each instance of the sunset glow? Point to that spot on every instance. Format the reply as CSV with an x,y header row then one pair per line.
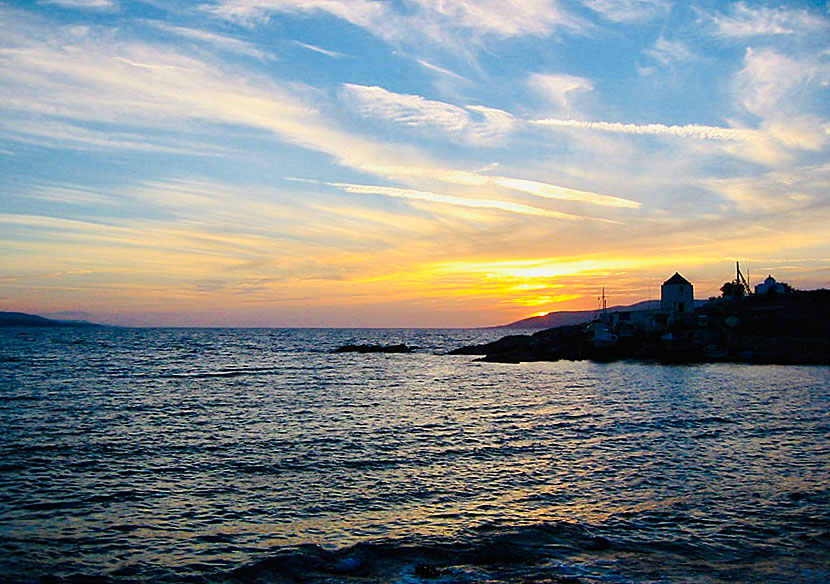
x,y
378,163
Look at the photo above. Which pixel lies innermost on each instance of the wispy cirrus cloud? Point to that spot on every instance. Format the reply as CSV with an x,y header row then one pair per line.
x,y
448,22
70,80
441,70
773,83
322,51
444,199
68,135
687,131
223,42
475,123
522,185
629,10
668,52
99,4
505,18
743,21
787,93
779,191
559,89
363,13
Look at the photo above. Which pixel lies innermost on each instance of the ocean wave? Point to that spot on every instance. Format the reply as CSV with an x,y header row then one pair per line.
x,y
530,554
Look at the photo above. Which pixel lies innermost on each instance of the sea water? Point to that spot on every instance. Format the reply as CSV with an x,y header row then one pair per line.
x,y
257,455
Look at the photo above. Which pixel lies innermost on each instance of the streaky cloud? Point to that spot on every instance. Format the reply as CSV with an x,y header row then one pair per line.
x,y
441,70
687,131
668,52
549,191
431,197
322,51
629,10
97,4
449,22
75,137
743,21
477,179
227,43
475,123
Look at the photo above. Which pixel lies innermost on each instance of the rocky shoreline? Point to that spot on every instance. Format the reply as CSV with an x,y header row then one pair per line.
x,y
771,329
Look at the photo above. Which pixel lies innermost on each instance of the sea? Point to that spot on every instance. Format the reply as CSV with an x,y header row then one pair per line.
x,y
219,456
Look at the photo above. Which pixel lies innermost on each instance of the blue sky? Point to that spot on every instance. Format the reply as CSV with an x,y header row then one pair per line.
x,y
404,163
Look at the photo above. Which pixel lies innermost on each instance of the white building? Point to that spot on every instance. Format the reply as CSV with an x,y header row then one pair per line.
x,y
677,295
770,286
676,298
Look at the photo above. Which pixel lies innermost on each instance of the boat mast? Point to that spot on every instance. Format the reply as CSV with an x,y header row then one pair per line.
x,y
604,307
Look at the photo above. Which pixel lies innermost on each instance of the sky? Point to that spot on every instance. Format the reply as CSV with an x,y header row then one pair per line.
x,y
405,163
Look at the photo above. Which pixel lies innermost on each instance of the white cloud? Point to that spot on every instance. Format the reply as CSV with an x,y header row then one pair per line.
x,y
479,180
53,74
322,51
69,83
549,191
629,10
475,123
441,70
778,191
687,131
223,42
560,89
448,22
81,3
505,18
444,199
362,13
744,21
668,52
787,95
771,83
73,136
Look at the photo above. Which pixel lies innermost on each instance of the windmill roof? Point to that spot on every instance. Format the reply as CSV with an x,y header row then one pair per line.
x,y
677,279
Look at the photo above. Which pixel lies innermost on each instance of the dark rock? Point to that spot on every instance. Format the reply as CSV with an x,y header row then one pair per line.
x,y
427,571
784,329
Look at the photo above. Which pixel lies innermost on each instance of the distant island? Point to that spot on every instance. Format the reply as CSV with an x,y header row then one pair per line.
x,y
774,325
21,319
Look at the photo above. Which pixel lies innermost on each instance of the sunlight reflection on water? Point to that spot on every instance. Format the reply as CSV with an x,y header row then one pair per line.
x,y
148,450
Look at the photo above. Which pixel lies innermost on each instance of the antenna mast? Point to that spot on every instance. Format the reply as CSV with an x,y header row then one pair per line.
x,y
741,281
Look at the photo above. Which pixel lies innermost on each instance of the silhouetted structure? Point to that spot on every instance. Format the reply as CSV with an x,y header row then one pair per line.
x,y
770,286
677,295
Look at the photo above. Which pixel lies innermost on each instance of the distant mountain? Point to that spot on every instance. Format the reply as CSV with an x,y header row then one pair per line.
x,y
9,319
566,318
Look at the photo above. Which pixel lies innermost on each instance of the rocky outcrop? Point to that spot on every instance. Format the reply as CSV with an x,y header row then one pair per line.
x,y
787,329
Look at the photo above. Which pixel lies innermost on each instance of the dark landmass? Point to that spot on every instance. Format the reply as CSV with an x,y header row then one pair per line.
x,y
21,319
374,349
568,317
772,328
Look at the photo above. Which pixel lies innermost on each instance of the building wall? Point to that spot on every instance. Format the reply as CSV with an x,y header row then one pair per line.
x,y
771,286
678,298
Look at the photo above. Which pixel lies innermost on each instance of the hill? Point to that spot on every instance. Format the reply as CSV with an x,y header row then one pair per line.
x,y
566,318
21,319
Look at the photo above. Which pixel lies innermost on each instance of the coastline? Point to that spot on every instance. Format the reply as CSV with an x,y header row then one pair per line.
x,y
773,330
